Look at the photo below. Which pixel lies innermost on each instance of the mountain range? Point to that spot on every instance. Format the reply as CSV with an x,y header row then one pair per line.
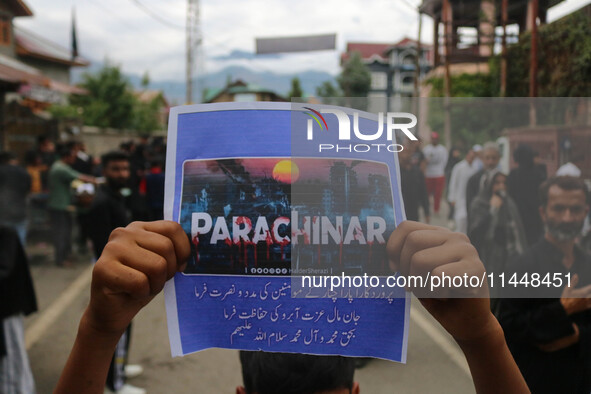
x,y
174,90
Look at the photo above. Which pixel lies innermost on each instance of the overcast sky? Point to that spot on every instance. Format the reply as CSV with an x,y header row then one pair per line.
x,y
124,32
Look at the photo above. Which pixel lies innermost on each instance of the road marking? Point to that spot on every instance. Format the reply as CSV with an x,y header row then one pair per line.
x,y
57,307
444,341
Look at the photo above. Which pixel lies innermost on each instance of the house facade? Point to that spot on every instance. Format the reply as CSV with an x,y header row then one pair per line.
x,y
393,69
34,74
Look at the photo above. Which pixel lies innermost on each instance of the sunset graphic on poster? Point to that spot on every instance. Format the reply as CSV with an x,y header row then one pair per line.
x,y
286,171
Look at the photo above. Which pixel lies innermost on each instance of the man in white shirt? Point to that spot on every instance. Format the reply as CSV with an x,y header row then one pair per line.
x,y
460,174
436,159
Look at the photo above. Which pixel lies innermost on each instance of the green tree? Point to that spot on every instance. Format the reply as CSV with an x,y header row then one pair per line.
x,y
327,89
564,60
109,102
296,88
146,115
355,78
145,80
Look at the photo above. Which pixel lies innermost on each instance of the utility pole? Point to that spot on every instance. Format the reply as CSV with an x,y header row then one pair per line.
x,y
447,33
193,37
533,65
418,57
504,18
533,69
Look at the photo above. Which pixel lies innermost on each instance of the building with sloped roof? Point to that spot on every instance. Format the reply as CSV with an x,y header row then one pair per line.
x,y
241,91
34,74
51,59
393,68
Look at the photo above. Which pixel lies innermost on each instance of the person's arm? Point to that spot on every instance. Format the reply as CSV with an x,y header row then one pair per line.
x,y
72,175
87,178
548,324
133,268
420,249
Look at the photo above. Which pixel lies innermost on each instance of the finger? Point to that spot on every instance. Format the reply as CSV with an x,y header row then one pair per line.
x,y
474,282
575,281
125,251
152,265
426,260
162,246
583,292
398,238
112,277
423,241
175,233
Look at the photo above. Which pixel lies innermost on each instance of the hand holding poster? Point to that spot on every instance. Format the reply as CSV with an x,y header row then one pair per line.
x,y
278,210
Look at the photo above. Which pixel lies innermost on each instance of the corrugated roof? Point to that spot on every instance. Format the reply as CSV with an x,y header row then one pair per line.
x,y
13,71
65,88
30,44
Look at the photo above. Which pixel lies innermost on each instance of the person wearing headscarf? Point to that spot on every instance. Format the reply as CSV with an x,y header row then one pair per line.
x,y
495,227
523,184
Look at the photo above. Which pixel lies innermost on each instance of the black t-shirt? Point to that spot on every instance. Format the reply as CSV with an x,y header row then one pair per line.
x,y
528,322
15,184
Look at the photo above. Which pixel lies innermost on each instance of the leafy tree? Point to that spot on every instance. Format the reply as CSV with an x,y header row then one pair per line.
x,y
146,115
564,60
464,85
296,88
355,78
145,80
327,89
109,102
64,111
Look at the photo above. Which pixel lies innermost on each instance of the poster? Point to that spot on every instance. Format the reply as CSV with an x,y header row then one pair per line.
x,y
264,204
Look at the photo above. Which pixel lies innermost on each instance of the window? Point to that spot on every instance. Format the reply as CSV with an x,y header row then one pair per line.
x,y
409,60
379,80
5,29
408,79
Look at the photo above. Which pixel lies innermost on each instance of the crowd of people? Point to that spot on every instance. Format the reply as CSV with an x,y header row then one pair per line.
x,y
520,223
64,184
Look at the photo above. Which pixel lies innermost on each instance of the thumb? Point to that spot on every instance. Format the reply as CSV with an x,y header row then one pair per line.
x,y
575,281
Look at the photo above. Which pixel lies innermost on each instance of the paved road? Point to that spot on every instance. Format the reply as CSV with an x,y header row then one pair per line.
x,y
434,362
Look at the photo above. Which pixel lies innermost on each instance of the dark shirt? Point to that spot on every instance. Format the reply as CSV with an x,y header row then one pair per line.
x,y
107,212
523,184
528,322
414,192
472,189
155,189
15,184
17,294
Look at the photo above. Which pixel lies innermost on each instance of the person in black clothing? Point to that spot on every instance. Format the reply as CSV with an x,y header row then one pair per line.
x,y
109,208
549,334
108,211
496,230
455,156
17,299
491,155
155,189
414,191
15,184
522,185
